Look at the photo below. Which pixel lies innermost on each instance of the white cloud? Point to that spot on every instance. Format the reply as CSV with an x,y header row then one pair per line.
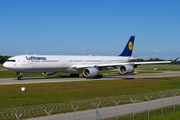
x,y
157,51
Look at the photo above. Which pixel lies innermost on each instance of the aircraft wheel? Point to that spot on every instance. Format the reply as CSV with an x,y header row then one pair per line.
x,y
20,78
74,75
99,76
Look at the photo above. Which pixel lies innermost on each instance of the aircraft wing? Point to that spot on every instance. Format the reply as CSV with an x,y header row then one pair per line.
x,y
97,65
117,64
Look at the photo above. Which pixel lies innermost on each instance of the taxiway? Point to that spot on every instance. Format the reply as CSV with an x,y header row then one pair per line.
x,y
6,81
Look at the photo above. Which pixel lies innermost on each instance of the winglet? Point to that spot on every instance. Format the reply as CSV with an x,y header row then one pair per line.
x,y
129,47
175,59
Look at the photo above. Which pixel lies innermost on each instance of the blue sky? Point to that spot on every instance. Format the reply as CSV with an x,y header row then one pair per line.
x,y
84,27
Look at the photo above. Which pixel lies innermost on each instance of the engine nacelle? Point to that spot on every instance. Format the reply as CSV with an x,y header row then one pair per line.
x,y
125,69
90,72
48,73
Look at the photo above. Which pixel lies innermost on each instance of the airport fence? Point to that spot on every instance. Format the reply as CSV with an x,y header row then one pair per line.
x,y
70,106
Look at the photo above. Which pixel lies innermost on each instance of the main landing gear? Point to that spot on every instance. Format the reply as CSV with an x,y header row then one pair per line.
x,y
19,76
74,75
99,76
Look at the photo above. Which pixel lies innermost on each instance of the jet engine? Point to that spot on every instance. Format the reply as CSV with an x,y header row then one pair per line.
x,y
125,69
48,73
90,72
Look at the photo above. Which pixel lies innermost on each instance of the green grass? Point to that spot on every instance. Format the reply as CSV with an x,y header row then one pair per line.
x,y
171,116
1,66
43,93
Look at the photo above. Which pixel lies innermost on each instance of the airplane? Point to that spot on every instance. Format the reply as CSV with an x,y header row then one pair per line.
x,y
88,65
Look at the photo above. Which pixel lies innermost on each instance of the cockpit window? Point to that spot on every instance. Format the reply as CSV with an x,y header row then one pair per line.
x,y
10,61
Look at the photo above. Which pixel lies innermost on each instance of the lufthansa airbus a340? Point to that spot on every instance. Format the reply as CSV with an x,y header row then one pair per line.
x,y
88,65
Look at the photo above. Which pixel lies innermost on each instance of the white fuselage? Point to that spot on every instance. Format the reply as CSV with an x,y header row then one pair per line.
x,y
58,63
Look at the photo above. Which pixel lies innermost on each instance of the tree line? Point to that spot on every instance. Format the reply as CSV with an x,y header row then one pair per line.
x,y
3,58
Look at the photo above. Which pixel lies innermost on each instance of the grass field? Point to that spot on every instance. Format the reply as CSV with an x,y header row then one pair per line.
x,y
171,116
11,95
1,66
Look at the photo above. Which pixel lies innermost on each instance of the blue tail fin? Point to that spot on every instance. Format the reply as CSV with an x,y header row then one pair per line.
x,y
129,47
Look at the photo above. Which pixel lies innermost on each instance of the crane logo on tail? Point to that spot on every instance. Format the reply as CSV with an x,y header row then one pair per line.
x,y
130,45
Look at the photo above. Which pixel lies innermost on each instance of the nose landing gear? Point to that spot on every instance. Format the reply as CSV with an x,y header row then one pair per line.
x,y
19,76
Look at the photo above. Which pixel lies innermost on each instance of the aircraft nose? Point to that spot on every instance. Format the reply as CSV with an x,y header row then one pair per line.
x,y
5,65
